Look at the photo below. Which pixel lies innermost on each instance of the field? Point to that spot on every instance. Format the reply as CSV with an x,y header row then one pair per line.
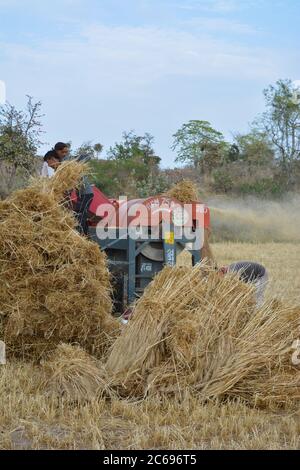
x,y
31,420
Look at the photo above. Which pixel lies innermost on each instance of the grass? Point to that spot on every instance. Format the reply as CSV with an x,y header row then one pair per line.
x,y
31,420
281,259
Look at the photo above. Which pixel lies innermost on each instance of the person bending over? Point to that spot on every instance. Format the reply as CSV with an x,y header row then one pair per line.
x,y
250,272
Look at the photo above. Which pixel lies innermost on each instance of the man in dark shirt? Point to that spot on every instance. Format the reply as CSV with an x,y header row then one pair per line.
x,y
84,193
85,196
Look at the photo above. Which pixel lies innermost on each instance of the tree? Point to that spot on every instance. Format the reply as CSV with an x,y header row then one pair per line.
x,y
86,149
134,147
281,122
255,148
20,133
89,150
197,142
233,154
132,168
98,149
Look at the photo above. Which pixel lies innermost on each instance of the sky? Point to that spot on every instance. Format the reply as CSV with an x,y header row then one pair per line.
x,y
101,67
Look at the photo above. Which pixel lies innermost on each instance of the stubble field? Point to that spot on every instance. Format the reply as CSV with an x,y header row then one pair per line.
x,y
29,419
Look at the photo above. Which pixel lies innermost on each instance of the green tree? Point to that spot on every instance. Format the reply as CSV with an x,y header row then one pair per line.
x,y
198,143
223,182
119,177
132,168
233,154
85,149
20,133
281,122
255,148
134,146
98,149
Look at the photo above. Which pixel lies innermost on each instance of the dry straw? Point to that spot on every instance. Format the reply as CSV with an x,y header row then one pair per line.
x,y
55,284
72,374
186,192
195,329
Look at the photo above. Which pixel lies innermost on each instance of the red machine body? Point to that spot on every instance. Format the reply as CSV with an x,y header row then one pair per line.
x,y
150,211
162,228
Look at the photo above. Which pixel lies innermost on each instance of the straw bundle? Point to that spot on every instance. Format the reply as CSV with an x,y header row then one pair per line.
x,y
73,374
186,192
67,176
196,329
55,284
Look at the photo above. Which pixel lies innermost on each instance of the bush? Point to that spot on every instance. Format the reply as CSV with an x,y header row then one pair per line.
x,y
131,177
223,181
265,187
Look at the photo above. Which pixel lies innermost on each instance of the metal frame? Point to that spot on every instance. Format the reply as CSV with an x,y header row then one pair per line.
x,y
126,243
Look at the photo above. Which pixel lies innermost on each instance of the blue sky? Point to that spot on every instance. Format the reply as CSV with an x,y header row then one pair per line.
x,y
104,66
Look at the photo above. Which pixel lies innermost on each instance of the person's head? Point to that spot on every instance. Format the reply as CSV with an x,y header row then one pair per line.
x,y
52,159
61,150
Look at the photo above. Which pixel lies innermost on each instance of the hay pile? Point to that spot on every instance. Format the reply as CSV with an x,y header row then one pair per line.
x,y
186,192
55,284
72,374
195,329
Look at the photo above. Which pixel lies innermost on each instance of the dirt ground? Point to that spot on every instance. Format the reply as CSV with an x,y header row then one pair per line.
x,y
29,419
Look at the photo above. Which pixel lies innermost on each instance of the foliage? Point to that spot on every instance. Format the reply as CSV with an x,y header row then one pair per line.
x,y
132,168
135,147
98,149
20,133
124,177
197,142
255,148
223,181
89,150
281,122
264,161
153,185
266,187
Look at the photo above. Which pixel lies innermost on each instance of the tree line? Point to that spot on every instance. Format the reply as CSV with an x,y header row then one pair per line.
x,y
265,161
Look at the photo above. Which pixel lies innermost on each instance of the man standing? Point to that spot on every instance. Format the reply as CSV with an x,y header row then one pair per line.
x,y
62,150
84,194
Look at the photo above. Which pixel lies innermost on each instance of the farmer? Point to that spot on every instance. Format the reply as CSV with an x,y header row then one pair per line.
x,y
50,163
84,199
84,194
51,160
62,150
250,272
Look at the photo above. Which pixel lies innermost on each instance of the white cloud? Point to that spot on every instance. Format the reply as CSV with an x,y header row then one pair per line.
x,y
140,55
107,79
219,6
222,25
223,6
